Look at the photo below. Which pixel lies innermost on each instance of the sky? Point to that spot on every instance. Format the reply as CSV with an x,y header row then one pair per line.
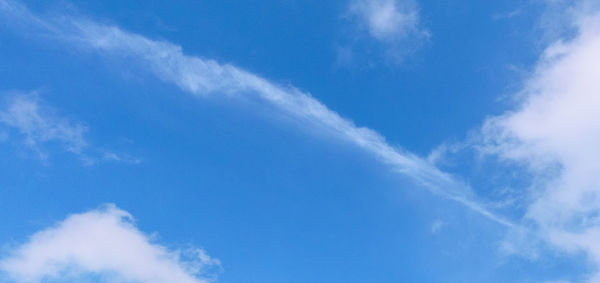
x,y
300,141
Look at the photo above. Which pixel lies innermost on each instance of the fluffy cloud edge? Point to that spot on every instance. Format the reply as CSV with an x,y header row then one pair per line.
x,y
103,243
553,135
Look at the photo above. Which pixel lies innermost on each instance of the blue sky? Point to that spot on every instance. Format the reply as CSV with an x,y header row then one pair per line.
x,y
299,141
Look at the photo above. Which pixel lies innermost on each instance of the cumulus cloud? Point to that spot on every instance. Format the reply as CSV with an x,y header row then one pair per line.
x,y
201,77
103,244
394,23
554,134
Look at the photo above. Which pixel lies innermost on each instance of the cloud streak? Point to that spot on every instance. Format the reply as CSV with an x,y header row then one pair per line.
x,y
202,77
103,244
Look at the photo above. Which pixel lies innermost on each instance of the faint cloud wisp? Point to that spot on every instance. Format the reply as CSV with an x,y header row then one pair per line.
x,y
39,126
395,24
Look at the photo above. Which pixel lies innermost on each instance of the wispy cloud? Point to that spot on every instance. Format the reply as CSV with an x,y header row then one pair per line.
x,y
38,124
32,122
394,23
103,243
203,77
554,133
111,156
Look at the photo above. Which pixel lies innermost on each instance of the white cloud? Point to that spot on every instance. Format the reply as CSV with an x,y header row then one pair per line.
x,y
555,134
202,77
395,23
102,244
387,20
39,124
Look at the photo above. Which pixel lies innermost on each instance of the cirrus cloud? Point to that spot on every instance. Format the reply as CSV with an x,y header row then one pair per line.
x,y
202,77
